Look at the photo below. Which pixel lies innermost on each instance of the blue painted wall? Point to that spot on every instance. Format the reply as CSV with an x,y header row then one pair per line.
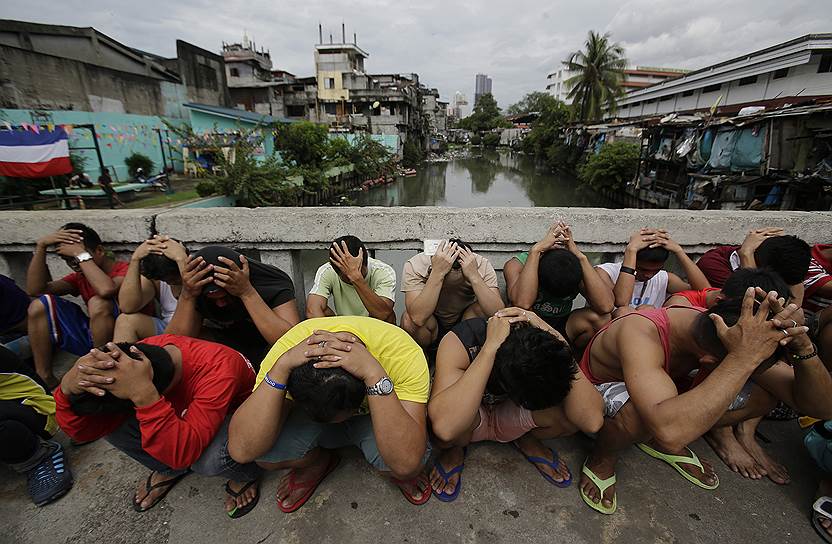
x,y
207,123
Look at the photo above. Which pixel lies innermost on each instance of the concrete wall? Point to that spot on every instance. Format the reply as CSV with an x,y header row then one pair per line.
x,y
292,238
203,73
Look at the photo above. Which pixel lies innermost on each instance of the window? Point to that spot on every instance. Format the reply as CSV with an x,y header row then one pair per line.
x,y
825,65
687,93
235,72
330,108
329,83
712,88
749,80
666,98
295,111
781,73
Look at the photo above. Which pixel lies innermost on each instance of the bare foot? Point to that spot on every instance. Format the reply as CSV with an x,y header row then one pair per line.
x,y
449,459
603,467
243,500
706,474
733,454
776,472
289,497
532,447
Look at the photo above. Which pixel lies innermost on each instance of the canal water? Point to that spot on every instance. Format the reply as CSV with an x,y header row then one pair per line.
x,y
486,178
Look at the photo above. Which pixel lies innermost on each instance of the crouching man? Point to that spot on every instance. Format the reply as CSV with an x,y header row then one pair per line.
x,y
332,382
509,379
165,403
641,363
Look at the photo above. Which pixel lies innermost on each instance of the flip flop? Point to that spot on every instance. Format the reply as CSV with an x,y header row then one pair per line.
x,y
423,498
309,486
675,460
446,475
149,487
240,511
602,486
554,464
819,528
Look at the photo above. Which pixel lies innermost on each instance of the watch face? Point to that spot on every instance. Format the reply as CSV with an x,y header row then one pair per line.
x,y
386,386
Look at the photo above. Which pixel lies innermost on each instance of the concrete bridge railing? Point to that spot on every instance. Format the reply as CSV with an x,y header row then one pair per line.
x,y
284,236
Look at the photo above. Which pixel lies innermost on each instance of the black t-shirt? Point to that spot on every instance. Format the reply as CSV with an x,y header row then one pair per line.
x,y
472,333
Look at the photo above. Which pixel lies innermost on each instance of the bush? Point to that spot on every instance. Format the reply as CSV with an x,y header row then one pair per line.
x,y
613,166
412,153
206,187
492,139
476,140
136,161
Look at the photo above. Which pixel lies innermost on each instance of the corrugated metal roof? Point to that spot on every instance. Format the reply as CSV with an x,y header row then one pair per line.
x,y
242,115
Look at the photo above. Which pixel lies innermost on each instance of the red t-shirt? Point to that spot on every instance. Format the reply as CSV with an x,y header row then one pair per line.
x,y
82,285
179,426
696,298
716,264
819,274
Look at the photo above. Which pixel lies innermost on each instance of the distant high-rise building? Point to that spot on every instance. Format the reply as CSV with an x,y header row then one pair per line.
x,y
459,101
482,86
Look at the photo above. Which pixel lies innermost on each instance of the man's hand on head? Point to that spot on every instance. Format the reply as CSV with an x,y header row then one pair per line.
x,y
132,377
351,266
444,259
71,249
89,373
756,237
355,358
68,236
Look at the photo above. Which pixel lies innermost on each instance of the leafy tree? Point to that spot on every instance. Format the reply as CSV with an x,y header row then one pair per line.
x,y
303,144
597,83
546,129
136,161
486,116
492,139
412,153
534,101
613,166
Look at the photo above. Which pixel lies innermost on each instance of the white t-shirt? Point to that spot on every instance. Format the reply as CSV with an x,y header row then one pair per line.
x,y
167,302
652,292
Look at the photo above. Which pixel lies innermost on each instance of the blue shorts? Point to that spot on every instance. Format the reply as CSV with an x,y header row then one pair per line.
x,y
69,326
301,434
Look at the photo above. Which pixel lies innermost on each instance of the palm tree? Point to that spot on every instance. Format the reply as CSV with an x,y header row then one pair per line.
x,y
597,83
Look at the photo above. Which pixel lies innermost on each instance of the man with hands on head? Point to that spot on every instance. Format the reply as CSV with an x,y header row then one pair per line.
x,y
165,402
357,283
155,273
332,382
641,365
443,289
54,322
245,304
513,379
548,278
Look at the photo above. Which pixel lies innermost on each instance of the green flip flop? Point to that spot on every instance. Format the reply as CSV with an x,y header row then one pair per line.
x,y
676,460
602,486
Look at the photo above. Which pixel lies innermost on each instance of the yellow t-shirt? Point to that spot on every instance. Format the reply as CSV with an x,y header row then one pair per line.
x,y
399,355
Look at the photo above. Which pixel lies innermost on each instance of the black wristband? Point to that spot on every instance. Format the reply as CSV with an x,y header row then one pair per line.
x,y
795,358
628,270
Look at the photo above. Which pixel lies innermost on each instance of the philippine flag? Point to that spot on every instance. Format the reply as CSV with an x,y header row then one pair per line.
x,y
26,154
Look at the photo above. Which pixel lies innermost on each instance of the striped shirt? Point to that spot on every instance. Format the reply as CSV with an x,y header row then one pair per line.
x,y
819,274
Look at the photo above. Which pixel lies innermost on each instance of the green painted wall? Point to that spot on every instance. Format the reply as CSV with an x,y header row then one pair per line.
x,y
206,123
119,136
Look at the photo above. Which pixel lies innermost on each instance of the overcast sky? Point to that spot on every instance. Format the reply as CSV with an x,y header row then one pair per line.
x,y
447,42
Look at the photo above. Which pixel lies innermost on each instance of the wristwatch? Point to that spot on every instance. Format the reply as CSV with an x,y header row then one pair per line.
x,y
83,257
382,387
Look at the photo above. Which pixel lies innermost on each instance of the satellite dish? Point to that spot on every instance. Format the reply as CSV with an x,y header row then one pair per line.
x,y
376,104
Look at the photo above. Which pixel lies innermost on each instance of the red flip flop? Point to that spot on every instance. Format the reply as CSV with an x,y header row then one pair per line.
x,y
309,486
413,483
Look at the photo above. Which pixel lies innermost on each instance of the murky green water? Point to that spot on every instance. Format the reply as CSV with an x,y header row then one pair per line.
x,y
486,178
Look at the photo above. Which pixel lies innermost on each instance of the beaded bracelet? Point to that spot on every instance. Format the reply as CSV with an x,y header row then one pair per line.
x,y
796,358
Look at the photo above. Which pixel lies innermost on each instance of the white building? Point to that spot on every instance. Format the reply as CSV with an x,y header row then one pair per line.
x,y
774,76
556,84
634,78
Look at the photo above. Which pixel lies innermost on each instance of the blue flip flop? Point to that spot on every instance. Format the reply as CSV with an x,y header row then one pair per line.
x,y
450,497
554,464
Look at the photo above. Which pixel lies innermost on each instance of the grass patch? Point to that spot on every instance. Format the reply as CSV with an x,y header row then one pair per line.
x,y
162,199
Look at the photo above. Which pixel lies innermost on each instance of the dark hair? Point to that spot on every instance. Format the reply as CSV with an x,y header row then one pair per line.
x,y
158,267
559,273
325,393
764,278
704,330
91,238
85,404
789,256
533,368
652,254
460,243
353,246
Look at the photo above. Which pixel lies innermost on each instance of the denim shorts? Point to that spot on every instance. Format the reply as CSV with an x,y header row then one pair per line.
x,y
301,434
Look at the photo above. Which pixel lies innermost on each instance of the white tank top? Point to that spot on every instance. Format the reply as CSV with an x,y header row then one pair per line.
x,y
652,292
167,302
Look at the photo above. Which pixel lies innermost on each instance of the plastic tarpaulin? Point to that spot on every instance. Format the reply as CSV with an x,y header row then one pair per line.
x,y
737,150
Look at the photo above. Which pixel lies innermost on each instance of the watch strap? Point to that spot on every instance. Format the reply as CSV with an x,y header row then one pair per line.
x,y
628,270
83,257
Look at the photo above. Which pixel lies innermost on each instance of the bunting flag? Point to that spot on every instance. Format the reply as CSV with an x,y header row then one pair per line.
x,y
25,154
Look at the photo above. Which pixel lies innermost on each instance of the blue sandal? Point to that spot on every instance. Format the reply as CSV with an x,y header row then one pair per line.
x,y
554,464
446,475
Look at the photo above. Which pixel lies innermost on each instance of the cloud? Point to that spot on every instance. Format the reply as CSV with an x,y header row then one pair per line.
x,y
517,43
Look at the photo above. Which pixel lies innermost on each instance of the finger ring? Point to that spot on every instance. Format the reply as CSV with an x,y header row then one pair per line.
x,y
524,313
795,322
785,332
322,344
